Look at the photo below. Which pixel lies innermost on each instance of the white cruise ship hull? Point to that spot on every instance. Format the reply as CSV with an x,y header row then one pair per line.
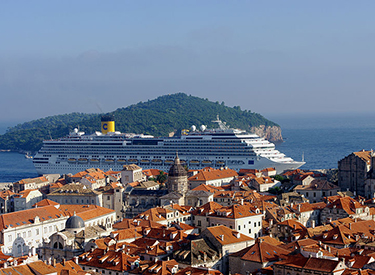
x,y
216,148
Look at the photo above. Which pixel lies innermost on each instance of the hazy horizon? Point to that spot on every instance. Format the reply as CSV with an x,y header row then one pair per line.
x,y
270,57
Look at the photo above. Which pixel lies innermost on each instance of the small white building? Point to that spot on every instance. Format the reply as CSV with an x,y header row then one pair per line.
x,y
244,218
26,199
24,231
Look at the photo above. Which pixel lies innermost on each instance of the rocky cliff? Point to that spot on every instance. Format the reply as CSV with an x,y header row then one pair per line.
x,y
271,133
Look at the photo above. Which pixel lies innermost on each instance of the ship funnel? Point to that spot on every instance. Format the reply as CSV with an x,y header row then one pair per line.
x,y
108,124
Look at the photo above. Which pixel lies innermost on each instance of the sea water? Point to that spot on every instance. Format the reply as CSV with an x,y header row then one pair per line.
x,y
321,140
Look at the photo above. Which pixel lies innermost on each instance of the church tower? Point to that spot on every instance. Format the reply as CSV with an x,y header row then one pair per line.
x,y
177,178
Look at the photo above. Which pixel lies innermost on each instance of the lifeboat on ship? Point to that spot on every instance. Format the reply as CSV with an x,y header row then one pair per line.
x,y
194,162
94,160
82,160
157,161
121,160
206,162
132,161
72,160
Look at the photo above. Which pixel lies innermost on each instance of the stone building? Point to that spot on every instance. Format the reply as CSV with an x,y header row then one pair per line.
x,y
353,170
131,173
71,241
177,178
177,184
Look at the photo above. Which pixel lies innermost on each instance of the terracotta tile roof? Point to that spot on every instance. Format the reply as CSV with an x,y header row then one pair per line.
x,y
237,211
158,268
317,185
270,240
45,202
24,217
155,214
70,268
225,235
317,264
198,271
24,193
151,172
340,235
293,224
125,234
261,252
347,204
208,188
110,260
56,185
131,223
6,194
364,155
31,180
263,180
76,188
37,267
213,174
268,169
248,171
318,230
207,208
86,212
131,167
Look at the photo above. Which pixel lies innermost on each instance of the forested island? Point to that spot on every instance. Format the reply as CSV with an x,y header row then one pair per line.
x,y
159,117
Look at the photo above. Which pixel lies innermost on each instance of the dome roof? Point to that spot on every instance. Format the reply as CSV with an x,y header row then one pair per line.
x,y
74,222
177,169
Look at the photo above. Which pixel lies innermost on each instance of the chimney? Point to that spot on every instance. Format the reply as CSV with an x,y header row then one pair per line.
x,y
54,262
313,224
350,226
241,201
63,262
221,237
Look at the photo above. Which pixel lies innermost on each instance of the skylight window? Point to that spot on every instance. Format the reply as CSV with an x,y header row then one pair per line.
x,y
18,223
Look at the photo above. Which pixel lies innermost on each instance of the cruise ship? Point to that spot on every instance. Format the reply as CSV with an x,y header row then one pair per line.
x,y
196,148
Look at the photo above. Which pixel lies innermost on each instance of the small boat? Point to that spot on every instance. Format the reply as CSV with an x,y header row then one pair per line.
x,y
121,160
206,161
72,160
132,161
28,156
109,160
220,162
195,162
168,161
94,160
143,161
182,161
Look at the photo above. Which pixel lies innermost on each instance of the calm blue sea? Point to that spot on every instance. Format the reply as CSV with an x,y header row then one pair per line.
x,y
322,139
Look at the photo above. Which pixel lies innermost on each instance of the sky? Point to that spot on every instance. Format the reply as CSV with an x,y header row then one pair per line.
x,y
270,57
